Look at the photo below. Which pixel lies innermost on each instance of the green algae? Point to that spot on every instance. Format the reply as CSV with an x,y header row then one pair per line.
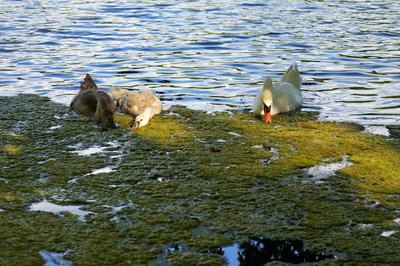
x,y
187,258
12,149
200,180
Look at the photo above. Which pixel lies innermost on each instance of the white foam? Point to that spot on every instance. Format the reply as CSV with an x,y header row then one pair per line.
x,y
377,130
235,134
46,206
258,146
365,226
55,127
104,170
89,151
94,149
45,161
161,179
388,233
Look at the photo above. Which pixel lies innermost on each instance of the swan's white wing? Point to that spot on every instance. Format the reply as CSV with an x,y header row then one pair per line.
x,y
286,98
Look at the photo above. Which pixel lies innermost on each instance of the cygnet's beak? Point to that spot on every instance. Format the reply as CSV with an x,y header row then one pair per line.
x,y
136,126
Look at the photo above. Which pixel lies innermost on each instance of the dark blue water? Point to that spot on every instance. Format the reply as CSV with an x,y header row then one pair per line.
x,y
211,55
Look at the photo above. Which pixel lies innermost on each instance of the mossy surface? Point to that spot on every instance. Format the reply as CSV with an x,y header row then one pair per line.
x,y
197,180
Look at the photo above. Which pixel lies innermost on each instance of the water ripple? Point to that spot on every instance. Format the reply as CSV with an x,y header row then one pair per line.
x,y
210,55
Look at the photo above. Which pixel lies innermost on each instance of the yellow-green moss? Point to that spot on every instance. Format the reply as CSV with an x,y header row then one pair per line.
x,y
192,179
377,168
160,128
12,149
300,140
188,258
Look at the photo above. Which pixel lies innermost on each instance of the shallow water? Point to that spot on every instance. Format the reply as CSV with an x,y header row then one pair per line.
x,y
324,170
259,251
210,55
54,259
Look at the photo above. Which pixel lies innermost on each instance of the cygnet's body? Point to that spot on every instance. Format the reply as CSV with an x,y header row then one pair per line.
x,y
94,103
143,104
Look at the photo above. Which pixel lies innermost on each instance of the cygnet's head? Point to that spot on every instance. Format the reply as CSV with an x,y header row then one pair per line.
x,y
104,113
140,121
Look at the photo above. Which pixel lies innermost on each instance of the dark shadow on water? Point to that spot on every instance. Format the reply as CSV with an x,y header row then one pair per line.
x,y
259,251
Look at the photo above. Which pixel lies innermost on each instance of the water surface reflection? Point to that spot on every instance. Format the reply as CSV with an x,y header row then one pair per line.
x,y
210,55
259,251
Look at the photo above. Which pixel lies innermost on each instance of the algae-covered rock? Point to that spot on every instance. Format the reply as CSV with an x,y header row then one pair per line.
x,y
192,179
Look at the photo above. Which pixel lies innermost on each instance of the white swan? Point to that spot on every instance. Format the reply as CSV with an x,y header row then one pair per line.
x,y
143,104
279,97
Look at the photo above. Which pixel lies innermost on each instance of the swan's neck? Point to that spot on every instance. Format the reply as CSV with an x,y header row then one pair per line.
x,y
267,92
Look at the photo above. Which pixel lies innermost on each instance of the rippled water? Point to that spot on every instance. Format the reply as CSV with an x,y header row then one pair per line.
x,y
210,55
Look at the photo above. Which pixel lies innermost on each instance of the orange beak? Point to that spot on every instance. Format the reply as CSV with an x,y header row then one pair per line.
x,y
267,113
268,117
136,126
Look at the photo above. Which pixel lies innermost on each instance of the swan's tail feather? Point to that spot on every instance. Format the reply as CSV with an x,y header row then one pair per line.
x,y
117,92
292,76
